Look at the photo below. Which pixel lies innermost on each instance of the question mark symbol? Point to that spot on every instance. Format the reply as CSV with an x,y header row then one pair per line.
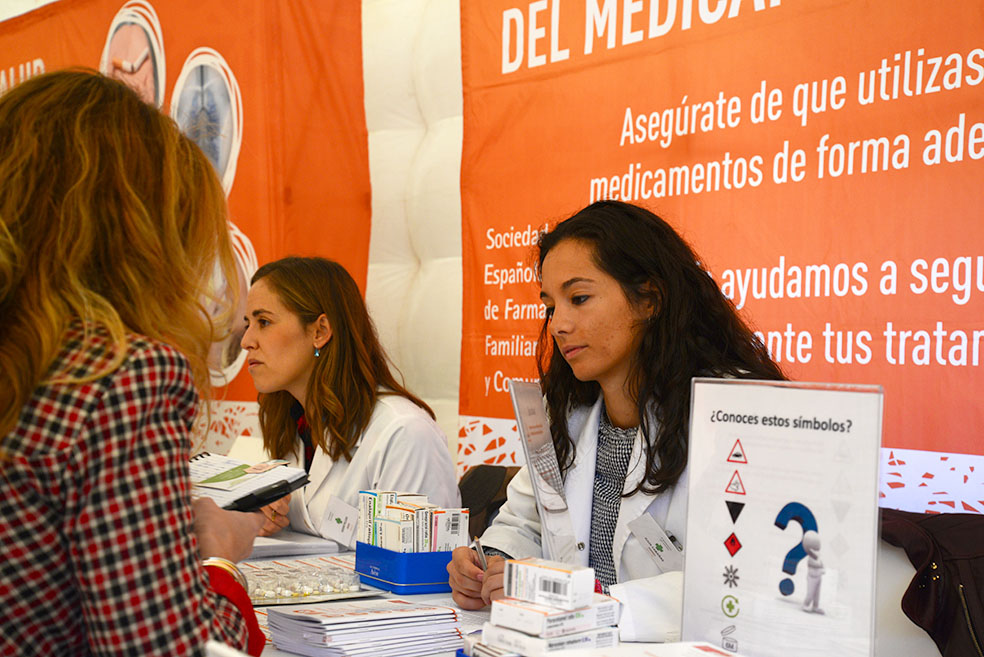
x,y
802,515
849,423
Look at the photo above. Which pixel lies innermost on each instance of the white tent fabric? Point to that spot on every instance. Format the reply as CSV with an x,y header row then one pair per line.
x,y
412,69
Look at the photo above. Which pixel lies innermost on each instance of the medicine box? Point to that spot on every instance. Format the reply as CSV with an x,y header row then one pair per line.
x,y
372,503
449,529
395,535
402,572
549,583
483,650
544,621
532,646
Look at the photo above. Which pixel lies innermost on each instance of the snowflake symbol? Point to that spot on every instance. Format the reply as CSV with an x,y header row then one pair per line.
x,y
731,576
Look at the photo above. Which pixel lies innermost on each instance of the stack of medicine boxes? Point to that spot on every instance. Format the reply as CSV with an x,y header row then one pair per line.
x,y
406,522
549,606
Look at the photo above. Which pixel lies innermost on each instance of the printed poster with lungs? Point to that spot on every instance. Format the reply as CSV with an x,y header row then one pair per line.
x,y
782,517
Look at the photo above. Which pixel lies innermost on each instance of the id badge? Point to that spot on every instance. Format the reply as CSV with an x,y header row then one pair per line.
x,y
663,549
339,522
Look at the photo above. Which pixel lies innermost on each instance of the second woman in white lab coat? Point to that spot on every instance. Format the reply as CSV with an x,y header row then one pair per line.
x,y
631,317
328,401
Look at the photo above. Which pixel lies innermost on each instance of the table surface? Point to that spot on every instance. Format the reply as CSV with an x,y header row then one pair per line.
x,y
894,633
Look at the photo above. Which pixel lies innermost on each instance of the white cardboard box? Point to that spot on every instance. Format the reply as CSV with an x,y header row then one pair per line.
x,y
549,583
450,529
372,503
394,535
544,621
532,646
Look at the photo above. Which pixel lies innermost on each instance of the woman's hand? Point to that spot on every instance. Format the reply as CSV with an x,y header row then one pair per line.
x,y
471,587
494,582
221,533
275,515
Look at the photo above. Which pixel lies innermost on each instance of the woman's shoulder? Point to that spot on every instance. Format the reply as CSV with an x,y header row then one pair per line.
x,y
144,363
392,405
87,375
395,414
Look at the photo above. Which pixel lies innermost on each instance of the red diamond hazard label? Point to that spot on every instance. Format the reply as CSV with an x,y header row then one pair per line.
x,y
735,486
737,454
733,544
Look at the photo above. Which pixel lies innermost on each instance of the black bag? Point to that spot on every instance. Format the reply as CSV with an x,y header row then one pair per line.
x,y
946,596
483,491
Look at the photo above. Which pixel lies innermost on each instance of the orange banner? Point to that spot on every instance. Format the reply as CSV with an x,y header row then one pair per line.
x,y
271,91
823,157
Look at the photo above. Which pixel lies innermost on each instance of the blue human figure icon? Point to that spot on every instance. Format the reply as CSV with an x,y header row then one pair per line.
x,y
814,572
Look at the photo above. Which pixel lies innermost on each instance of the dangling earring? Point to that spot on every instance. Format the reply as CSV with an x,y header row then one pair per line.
x,y
317,352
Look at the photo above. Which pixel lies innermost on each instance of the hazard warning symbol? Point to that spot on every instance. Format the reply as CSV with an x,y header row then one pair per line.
x,y
735,486
737,453
732,544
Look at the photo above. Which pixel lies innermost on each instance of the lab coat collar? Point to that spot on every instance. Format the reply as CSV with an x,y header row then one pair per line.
x,y
579,482
320,467
635,505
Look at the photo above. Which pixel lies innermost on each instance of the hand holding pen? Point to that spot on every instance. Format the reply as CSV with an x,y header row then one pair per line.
x,y
477,546
475,579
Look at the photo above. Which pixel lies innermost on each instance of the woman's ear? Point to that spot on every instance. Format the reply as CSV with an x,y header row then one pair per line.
x,y
651,299
322,331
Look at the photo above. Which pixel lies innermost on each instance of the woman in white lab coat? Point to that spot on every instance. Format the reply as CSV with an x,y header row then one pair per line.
x,y
328,401
631,318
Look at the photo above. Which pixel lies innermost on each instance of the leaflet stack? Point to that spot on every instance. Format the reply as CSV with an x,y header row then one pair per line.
x,y
369,628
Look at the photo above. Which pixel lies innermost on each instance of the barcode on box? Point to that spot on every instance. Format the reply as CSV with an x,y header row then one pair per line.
x,y
553,586
450,527
548,582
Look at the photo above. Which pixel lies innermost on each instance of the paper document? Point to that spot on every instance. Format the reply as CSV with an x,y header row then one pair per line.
x,y
286,543
240,486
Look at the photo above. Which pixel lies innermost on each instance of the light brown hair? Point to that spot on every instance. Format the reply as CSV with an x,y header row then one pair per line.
x,y
349,375
109,216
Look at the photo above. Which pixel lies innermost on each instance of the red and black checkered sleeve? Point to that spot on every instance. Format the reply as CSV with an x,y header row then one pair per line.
x,y
130,524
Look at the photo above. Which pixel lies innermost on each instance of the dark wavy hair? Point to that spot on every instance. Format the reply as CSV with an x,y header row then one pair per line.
x,y
694,331
352,372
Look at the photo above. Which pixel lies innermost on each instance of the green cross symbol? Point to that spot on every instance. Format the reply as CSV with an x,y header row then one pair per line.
x,y
729,605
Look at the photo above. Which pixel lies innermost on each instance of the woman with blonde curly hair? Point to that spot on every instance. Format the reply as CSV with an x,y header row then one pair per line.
x,y
111,224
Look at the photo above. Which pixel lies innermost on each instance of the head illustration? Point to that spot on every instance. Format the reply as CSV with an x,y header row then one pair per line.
x,y
109,216
811,543
681,327
310,339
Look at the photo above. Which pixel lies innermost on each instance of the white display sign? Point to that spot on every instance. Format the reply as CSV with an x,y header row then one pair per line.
x,y
557,528
782,517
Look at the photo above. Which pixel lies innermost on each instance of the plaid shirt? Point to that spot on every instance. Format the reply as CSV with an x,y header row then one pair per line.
x,y
97,549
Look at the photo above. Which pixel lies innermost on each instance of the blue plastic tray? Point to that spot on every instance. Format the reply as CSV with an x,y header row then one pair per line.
x,y
402,572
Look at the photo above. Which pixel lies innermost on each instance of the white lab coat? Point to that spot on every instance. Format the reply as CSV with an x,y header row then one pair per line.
x,y
652,601
402,449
